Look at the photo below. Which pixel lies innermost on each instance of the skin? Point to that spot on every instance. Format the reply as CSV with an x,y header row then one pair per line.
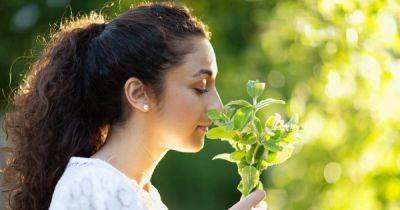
x,y
137,146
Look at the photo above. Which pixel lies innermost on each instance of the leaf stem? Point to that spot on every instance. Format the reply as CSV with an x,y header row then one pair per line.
x,y
255,152
252,120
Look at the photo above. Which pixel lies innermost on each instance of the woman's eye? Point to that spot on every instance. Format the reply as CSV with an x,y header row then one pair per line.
x,y
201,91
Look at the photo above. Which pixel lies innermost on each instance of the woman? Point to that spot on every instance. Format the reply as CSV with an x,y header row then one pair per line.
x,y
104,103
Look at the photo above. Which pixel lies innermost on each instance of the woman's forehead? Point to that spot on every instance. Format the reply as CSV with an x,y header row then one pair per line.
x,y
202,57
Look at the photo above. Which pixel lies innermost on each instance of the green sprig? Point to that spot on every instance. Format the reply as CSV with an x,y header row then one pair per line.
x,y
257,143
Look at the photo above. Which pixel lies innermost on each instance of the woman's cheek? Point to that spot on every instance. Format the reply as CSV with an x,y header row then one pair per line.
x,y
182,116
188,110
183,110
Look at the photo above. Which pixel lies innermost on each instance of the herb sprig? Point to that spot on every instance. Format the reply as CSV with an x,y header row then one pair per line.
x,y
257,143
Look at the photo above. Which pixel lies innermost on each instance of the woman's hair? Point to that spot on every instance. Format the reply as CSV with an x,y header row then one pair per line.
x,y
74,91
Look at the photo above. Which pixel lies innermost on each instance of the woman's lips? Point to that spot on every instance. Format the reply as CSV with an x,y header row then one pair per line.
x,y
202,128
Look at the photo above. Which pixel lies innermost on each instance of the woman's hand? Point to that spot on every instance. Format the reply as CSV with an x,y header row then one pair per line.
x,y
254,201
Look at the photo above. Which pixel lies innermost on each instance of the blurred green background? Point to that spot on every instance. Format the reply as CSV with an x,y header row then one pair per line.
x,y
335,62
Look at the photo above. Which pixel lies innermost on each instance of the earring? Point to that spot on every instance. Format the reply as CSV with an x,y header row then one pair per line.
x,y
146,107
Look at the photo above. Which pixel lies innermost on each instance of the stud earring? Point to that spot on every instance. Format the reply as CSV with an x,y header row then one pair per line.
x,y
146,107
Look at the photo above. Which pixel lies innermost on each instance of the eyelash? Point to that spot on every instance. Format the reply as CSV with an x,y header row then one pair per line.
x,y
201,91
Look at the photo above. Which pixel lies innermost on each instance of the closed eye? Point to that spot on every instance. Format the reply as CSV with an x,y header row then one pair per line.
x,y
201,91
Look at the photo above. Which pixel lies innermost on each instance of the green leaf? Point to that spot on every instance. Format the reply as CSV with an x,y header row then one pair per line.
x,y
277,135
259,88
267,102
269,123
290,137
249,154
273,121
258,126
229,125
220,133
238,155
241,164
224,156
260,185
250,178
250,87
214,114
275,158
255,88
260,152
240,102
230,111
240,186
272,158
263,165
272,146
217,117
248,138
241,118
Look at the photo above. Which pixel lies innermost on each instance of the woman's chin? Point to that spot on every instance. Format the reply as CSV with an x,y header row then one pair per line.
x,y
199,148
196,145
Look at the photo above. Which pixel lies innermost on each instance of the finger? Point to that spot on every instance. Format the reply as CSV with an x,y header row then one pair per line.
x,y
260,206
253,199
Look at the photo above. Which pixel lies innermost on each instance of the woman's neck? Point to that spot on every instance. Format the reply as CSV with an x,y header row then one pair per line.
x,y
134,151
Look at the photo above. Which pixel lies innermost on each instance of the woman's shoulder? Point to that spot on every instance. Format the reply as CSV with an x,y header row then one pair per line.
x,y
87,172
80,167
88,183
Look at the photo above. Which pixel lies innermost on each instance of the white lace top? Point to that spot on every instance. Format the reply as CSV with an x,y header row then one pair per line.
x,y
90,183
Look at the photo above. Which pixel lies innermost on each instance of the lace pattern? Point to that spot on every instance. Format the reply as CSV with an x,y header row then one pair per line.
x,y
89,183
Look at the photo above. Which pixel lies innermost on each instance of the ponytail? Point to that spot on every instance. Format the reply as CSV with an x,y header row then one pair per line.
x,y
74,91
49,124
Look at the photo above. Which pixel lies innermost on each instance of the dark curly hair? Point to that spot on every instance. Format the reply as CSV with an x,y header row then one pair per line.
x,y
73,92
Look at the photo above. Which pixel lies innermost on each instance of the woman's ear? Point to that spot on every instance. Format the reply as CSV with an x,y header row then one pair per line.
x,y
136,94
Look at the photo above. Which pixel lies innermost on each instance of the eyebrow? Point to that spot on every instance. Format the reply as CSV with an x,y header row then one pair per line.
x,y
203,71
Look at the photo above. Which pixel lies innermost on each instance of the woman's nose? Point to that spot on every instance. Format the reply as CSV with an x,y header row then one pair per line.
x,y
217,103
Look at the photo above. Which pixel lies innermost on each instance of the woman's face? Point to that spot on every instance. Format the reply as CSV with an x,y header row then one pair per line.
x,y
184,106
